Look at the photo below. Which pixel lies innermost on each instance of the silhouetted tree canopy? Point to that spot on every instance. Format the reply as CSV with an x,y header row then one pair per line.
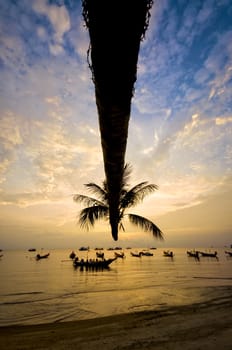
x,y
98,208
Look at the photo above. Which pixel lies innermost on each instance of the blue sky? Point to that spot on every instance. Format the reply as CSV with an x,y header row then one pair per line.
x,y
180,128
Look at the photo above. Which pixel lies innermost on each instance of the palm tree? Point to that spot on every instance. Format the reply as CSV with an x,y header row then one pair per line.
x,y
99,208
116,29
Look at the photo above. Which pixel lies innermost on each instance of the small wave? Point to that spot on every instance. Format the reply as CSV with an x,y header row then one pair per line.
x,y
29,301
74,315
213,278
21,293
140,306
19,302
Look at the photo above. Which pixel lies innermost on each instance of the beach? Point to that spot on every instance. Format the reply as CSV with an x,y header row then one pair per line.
x,y
206,325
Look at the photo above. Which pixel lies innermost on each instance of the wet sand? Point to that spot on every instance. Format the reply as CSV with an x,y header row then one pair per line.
x,y
206,326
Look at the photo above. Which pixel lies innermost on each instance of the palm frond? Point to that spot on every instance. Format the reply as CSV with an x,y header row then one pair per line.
x,y
143,188
146,225
88,216
99,208
121,227
104,186
86,200
126,175
136,194
98,190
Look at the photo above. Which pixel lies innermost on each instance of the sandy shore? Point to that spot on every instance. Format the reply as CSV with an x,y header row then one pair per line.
x,y
205,326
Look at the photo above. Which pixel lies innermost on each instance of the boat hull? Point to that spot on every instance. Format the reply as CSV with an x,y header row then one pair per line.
x,y
93,265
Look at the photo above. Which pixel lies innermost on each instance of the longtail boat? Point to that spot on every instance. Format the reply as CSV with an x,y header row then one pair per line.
x,y
93,264
168,253
39,256
209,254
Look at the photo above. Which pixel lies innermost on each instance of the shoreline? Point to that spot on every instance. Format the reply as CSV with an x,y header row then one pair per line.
x,y
206,325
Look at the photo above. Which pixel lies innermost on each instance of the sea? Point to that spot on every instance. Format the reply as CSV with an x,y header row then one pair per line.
x,y
53,290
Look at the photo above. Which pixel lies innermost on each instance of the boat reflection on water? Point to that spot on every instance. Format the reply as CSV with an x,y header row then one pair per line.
x,y
193,254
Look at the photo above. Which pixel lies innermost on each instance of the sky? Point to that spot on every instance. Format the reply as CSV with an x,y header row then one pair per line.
x,y
179,136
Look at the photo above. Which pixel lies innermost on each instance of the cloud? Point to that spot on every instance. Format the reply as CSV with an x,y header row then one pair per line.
x,y
10,139
223,120
59,148
180,127
220,55
10,133
59,19
171,80
12,52
205,12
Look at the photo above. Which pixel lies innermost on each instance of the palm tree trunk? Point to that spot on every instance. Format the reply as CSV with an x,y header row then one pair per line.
x,y
114,128
115,28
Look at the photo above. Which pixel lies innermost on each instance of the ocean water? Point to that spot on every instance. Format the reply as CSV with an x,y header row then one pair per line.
x,y
52,290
